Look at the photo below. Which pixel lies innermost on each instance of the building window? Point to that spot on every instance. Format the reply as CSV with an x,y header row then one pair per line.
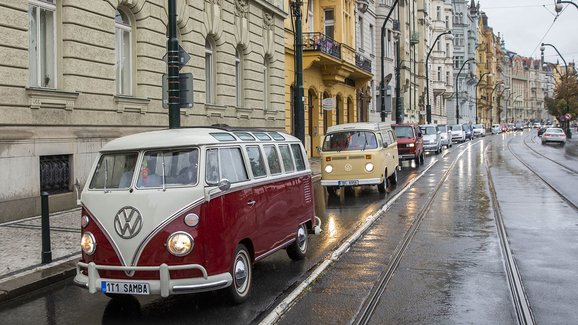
x,y
438,13
439,73
371,42
55,174
447,22
123,47
458,60
347,23
329,23
239,78
42,49
361,38
209,72
447,78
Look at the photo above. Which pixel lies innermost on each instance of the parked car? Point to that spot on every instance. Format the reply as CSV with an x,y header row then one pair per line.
x,y
446,135
519,126
469,131
409,143
554,135
432,140
458,133
479,130
496,128
355,154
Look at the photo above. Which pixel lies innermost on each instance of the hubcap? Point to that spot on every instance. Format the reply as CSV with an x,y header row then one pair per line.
x,y
302,239
241,273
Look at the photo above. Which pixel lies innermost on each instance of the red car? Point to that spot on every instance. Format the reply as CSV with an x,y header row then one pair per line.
x,y
409,142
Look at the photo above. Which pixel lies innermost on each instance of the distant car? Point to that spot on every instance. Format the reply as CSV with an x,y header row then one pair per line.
x,y
409,143
504,127
541,131
537,125
479,130
496,128
445,135
469,131
458,133
519,126
432,140
554,135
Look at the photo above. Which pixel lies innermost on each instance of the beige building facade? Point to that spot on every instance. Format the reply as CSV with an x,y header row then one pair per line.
x,y
76,74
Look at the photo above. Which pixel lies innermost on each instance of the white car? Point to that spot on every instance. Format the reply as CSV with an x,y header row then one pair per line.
x,y
554,135
496,129
458,133
479,130
432,140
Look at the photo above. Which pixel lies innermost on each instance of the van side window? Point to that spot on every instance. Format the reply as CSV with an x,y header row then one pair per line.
x,y
225,163
287,159
272,159
298,155
256,161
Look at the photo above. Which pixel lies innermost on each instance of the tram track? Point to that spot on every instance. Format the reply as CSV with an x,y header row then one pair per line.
x,y
548,183
571,170
368,307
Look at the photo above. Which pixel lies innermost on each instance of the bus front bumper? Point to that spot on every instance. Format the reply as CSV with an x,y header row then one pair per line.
x,y
164,286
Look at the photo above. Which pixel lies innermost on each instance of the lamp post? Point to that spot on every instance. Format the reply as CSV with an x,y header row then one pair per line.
x,y
559,6
543,47
173,68
457,90
382,88
492,101
499,97
477,84
507,103
299,109
428,106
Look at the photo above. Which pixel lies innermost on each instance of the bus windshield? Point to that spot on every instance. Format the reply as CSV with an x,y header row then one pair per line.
x,y
350,140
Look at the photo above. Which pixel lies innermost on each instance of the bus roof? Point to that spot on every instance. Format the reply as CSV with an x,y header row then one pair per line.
x,y
184,137
358,126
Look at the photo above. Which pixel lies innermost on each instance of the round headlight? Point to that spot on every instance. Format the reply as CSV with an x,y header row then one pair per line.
x,y
84,221
180,243
328,169
87,243
369,167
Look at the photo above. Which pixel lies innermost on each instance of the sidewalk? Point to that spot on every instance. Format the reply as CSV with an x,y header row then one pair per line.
x,y
21,268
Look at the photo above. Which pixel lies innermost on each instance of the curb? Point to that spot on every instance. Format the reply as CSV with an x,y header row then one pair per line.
x,y
38,279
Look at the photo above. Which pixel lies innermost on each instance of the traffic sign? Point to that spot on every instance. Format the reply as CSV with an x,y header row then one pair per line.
x,y
185,90
184,57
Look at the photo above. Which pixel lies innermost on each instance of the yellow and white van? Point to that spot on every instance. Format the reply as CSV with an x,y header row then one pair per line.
x,y
355,154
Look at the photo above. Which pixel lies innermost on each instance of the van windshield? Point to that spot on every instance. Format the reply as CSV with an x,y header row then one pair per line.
x,y
114,171
350,140
404,132
427,130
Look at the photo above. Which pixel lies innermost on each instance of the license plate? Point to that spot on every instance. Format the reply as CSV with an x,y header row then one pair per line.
x,y
348,183
128,288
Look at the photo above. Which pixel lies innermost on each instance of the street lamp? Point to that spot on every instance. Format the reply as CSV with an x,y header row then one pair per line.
x,y
298,99
492,100
559,6
543,47
477,84
382,89
457,90
499,97
428,106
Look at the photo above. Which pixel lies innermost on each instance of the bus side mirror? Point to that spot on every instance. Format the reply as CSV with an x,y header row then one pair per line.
x,y
223,185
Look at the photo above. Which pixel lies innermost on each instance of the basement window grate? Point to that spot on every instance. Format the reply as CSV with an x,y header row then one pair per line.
x,y
55,174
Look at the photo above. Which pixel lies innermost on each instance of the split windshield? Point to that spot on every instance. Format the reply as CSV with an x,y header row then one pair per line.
x,y
155,169
350,140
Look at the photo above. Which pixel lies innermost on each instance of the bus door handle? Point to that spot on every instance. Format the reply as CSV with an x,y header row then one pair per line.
x,y
251,202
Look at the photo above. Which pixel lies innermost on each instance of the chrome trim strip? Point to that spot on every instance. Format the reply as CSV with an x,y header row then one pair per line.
x,y
197,287
366,181
274,249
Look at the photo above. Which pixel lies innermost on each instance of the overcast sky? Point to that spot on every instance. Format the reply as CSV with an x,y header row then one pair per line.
x,y
525,24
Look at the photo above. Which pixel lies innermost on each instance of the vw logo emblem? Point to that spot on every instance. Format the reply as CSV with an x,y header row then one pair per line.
x,y
127,222
348,167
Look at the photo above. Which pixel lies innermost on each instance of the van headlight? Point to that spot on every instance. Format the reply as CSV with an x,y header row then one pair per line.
x,y
328,169
180,243
369,167
88,243
410,145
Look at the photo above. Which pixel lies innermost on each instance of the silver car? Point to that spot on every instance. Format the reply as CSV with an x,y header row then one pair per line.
x,y
479,130
445,135
458,133
431,138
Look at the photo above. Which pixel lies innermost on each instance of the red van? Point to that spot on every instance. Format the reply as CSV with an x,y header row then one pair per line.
x,y
189,210
409,142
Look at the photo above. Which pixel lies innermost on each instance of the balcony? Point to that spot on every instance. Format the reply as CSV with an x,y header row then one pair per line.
x,y
336,61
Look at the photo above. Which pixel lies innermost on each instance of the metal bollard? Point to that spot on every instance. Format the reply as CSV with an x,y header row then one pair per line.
x,y
46,250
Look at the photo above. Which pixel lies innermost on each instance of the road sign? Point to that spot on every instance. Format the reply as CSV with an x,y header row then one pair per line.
x,y
328,104
185,89
184,57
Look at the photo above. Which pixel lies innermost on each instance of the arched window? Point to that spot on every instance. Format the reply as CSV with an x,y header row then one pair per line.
x,y
209,72
123,45
238,78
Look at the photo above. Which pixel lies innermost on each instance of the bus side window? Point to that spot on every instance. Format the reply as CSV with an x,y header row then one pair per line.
x,y
272,159
287,159
212,167
298,155
231,165
256,161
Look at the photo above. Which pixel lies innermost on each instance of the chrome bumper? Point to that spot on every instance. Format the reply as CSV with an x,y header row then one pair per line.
x,y
367,181
165,286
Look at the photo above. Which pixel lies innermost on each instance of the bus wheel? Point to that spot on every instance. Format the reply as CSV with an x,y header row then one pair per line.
x,y
381,186
298,248
393,178
242,273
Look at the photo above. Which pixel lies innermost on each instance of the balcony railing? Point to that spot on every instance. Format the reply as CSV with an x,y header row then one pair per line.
x,y
363,62
321,42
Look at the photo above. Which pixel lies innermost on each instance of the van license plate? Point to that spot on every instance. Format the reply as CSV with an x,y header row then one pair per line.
x,y
129,288
348,183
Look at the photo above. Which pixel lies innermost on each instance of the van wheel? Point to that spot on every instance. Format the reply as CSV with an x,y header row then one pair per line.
x,y
382,186
241,270
393,178
332,190
298,248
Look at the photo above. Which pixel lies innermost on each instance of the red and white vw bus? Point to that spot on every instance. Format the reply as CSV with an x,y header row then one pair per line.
x,y
189,210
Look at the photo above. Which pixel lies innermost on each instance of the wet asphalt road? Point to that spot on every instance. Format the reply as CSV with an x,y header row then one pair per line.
x,y
450,271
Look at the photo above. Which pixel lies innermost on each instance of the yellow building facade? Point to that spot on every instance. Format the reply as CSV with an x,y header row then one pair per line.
x,y
334,83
